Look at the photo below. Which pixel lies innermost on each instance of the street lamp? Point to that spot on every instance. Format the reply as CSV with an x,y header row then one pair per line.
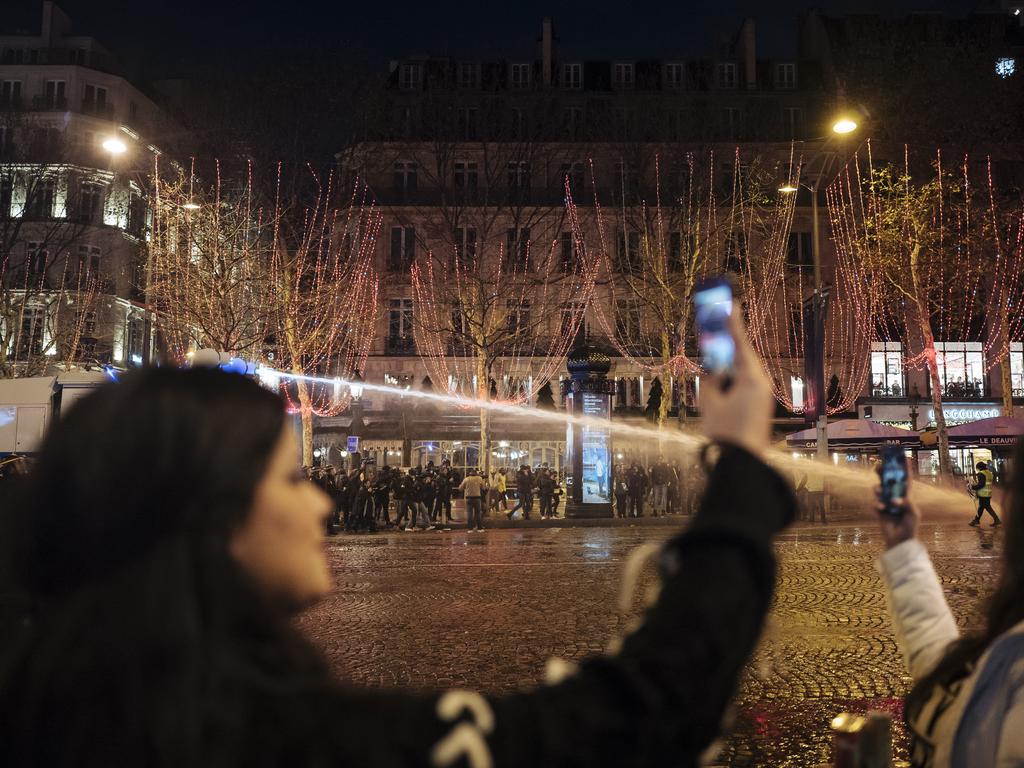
x,y
355,385
114,145
842,126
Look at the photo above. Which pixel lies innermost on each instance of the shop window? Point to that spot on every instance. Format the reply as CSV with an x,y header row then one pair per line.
x,y
961,369
887,369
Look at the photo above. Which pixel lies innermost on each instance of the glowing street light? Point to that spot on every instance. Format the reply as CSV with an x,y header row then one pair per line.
x,y
844,125
114,146
356,386
788,189
190,206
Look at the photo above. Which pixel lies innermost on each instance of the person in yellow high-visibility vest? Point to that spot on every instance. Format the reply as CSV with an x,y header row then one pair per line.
x,y
983,489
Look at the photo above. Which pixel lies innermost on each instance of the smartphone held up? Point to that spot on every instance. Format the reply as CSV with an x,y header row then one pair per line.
x,y
712,301
894,479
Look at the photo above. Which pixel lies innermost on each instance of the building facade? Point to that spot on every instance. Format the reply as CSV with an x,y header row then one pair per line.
x,y
77,139
475,157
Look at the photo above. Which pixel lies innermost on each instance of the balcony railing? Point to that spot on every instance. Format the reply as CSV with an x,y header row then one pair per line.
x,y
99,110
50,103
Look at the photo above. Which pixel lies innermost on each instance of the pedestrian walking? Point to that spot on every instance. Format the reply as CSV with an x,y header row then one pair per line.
x,y
524,493
443,497
621,490
557,497
473,488
983,492
661,478
545,492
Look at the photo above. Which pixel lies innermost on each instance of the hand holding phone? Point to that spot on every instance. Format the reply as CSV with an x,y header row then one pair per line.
x,y
894,480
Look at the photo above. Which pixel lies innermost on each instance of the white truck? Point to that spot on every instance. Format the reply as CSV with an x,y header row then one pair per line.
x,y
28,406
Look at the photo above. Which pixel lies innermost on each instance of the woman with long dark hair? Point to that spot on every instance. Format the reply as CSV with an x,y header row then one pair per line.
x,y
167,535
967,704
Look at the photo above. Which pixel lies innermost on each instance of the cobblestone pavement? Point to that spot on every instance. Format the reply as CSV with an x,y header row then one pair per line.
x,y
441,609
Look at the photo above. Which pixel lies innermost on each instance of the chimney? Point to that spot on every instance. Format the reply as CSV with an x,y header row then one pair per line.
x,y
748,44
546,52
47,30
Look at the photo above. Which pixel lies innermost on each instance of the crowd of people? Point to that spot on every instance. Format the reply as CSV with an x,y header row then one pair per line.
x,y
370,498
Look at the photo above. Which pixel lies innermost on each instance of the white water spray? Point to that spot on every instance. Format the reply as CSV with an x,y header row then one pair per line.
x,y
854,483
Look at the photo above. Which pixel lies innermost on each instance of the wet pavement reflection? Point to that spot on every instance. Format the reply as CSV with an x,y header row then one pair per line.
x,y
441,609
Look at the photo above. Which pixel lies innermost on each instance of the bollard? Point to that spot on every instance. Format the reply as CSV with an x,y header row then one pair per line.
x,y
846,739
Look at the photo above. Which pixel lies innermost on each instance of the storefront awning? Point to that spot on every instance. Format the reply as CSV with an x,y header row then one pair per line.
x,y
854,434
1001,430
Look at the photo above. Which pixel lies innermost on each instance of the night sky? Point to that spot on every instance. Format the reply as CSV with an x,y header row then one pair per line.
x,y
171,38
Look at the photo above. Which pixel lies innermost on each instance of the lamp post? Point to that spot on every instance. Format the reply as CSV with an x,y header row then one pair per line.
x,y
842,126
356,427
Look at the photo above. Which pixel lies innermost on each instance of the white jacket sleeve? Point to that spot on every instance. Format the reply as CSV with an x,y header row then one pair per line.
x,y
920,615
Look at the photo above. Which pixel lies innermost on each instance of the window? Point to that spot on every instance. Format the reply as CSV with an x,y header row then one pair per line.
x,y
400,335
725,74
36,262
136,335
799,251
736,252
517,123
10,94
627,320
574,322
466,175
732,122
468,123
961,368
5,139
625,181
785,75
95,100
465,246
517,248
90,203
133,110
409,76
56,94
520,76
518,322
573,174
519,174
792,122
403,249
88,267
6,196
40,199
30,336
572,76
1017,368
887,369
404,177
674,75
622,75
468,75
136,224
796,330
567,256
675,252
573,118
1006,66
627,252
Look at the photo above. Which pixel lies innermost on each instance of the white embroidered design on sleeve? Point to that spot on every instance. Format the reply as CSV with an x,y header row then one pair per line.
x,y
466,739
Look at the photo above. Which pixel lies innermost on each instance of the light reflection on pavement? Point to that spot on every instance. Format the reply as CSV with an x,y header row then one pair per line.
x,y
487,610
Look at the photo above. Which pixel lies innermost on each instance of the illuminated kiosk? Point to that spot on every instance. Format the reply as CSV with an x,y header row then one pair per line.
x,y
588,448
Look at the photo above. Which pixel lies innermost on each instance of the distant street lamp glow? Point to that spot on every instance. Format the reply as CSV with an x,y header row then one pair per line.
x,y
190,206
787,189
115,146
844,126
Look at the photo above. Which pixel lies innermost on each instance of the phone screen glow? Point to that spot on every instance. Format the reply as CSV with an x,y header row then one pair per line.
x,y
713,306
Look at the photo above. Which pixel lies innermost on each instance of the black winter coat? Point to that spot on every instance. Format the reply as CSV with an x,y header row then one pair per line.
x,y
659,702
